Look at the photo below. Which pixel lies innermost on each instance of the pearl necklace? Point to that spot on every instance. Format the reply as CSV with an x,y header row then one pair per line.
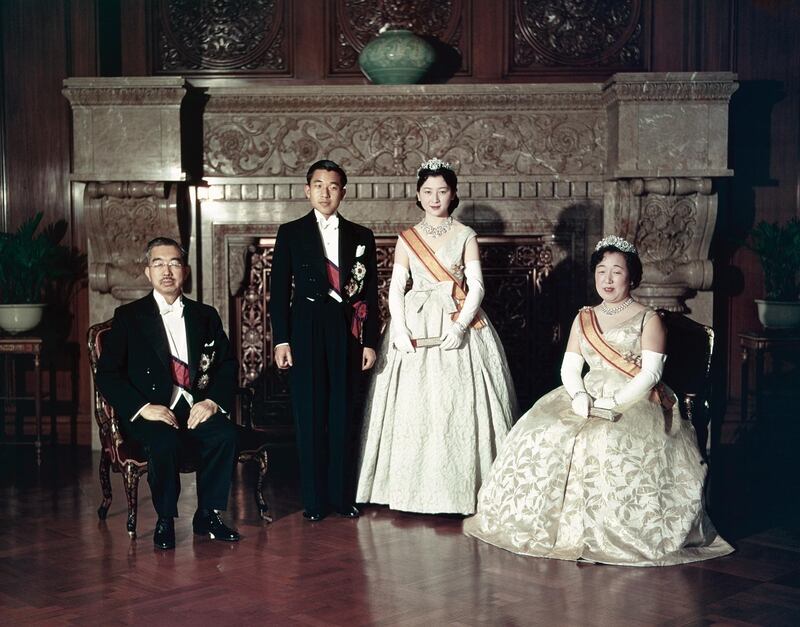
x,y
436,231
612,311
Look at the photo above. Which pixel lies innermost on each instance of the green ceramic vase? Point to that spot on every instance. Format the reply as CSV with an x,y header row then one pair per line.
x,y
396,57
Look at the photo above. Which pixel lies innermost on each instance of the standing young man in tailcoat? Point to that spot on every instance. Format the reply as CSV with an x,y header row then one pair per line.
x,y
326,332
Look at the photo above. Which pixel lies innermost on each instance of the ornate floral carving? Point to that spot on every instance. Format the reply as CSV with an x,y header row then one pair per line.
x,y
356,22
670,220
546,143
243,36
667,226
587,33
122,218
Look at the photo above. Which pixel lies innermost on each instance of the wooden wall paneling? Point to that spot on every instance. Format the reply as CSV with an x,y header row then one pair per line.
x,y
549,40
135,38
4,210
43,43
488,40
243,38
310,37
765,138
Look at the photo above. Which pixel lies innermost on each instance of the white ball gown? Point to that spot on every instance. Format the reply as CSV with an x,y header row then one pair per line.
x,y
628,492
434,418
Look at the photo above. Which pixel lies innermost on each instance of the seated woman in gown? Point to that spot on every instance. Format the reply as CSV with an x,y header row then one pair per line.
x,y
603,469
441,398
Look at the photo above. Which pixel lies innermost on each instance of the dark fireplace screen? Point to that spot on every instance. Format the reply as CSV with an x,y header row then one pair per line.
x,y
531,287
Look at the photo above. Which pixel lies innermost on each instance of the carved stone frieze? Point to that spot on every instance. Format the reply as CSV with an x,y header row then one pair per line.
x,y
671,222
356,22
235,36
122,217
394,145
415,99
646,88
552,33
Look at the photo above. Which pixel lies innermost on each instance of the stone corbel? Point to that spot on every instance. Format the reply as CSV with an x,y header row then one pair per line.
x,y
671,221
122,217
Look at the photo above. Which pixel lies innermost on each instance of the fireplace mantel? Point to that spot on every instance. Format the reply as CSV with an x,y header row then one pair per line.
x,y
220,163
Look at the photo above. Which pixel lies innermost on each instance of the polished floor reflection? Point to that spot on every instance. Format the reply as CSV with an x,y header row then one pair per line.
x,y
60,566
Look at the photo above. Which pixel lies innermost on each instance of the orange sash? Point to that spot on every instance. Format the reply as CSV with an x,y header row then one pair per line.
x,y
439,272
591,331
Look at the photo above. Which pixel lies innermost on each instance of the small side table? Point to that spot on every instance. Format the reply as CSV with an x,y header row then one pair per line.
x,y
32,346
758,344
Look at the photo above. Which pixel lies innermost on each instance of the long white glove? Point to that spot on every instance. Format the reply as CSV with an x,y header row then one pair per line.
x,y
571,371
638,387
401,338
475,291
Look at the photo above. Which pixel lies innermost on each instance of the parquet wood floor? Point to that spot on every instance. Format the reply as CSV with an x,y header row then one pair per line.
x,y
59,565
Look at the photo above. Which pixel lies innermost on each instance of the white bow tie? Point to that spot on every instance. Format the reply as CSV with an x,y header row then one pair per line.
x,y
166,309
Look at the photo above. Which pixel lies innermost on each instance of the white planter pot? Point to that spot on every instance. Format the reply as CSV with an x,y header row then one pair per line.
x,y
21,317
775,314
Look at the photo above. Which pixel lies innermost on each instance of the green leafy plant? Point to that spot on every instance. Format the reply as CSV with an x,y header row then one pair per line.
x,y
779,250
31,262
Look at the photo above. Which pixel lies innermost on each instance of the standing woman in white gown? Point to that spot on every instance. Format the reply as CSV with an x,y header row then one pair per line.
x,y
603,469
441,398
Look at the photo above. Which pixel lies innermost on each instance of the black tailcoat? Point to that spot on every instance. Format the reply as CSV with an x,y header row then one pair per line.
x,y
134,369
327,357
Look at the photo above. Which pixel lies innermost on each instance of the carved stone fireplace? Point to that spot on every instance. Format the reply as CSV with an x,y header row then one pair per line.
x,y
544,171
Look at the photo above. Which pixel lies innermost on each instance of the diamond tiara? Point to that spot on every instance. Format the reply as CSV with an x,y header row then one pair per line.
x,y
617,242
434,164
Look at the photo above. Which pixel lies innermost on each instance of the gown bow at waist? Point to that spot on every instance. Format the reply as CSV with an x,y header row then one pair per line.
x,y
441,293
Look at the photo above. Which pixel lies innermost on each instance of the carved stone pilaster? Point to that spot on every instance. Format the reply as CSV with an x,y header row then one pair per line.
x,y
122,217
667,142
671,221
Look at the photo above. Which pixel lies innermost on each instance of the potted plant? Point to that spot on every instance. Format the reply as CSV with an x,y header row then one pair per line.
x,y
30,262
778,247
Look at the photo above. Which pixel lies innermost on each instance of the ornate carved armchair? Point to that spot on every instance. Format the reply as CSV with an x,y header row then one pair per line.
x,y
127,457
690,348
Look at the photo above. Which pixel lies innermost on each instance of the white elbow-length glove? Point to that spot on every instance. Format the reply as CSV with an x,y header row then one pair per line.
x,y
401,338
640,385
571,377
455,334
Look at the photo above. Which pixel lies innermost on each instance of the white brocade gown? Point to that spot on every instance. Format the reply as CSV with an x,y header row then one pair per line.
x,y
434,418
628,492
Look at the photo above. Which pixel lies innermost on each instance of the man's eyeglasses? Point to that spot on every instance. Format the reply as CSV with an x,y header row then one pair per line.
x,y
160,264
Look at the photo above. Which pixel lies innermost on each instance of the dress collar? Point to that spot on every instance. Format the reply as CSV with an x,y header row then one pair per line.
x,y
164,307
324,222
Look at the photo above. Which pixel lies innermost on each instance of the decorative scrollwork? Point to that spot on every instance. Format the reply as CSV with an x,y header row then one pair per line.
x,y
357,22
583,33
667,227
282,145
221,36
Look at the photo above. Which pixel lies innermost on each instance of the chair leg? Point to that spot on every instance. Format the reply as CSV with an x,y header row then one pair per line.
x,y
130,478
263,508
105,484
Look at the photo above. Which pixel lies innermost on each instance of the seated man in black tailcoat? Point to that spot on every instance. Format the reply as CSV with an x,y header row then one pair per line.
x,y
168,371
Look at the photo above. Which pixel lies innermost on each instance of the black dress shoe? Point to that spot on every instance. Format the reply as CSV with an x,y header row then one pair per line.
x,y
313,516
164,535
211,525
349,512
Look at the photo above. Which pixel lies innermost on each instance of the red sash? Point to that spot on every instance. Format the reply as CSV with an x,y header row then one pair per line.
x,y
591,331
333,276
428,258
180,373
